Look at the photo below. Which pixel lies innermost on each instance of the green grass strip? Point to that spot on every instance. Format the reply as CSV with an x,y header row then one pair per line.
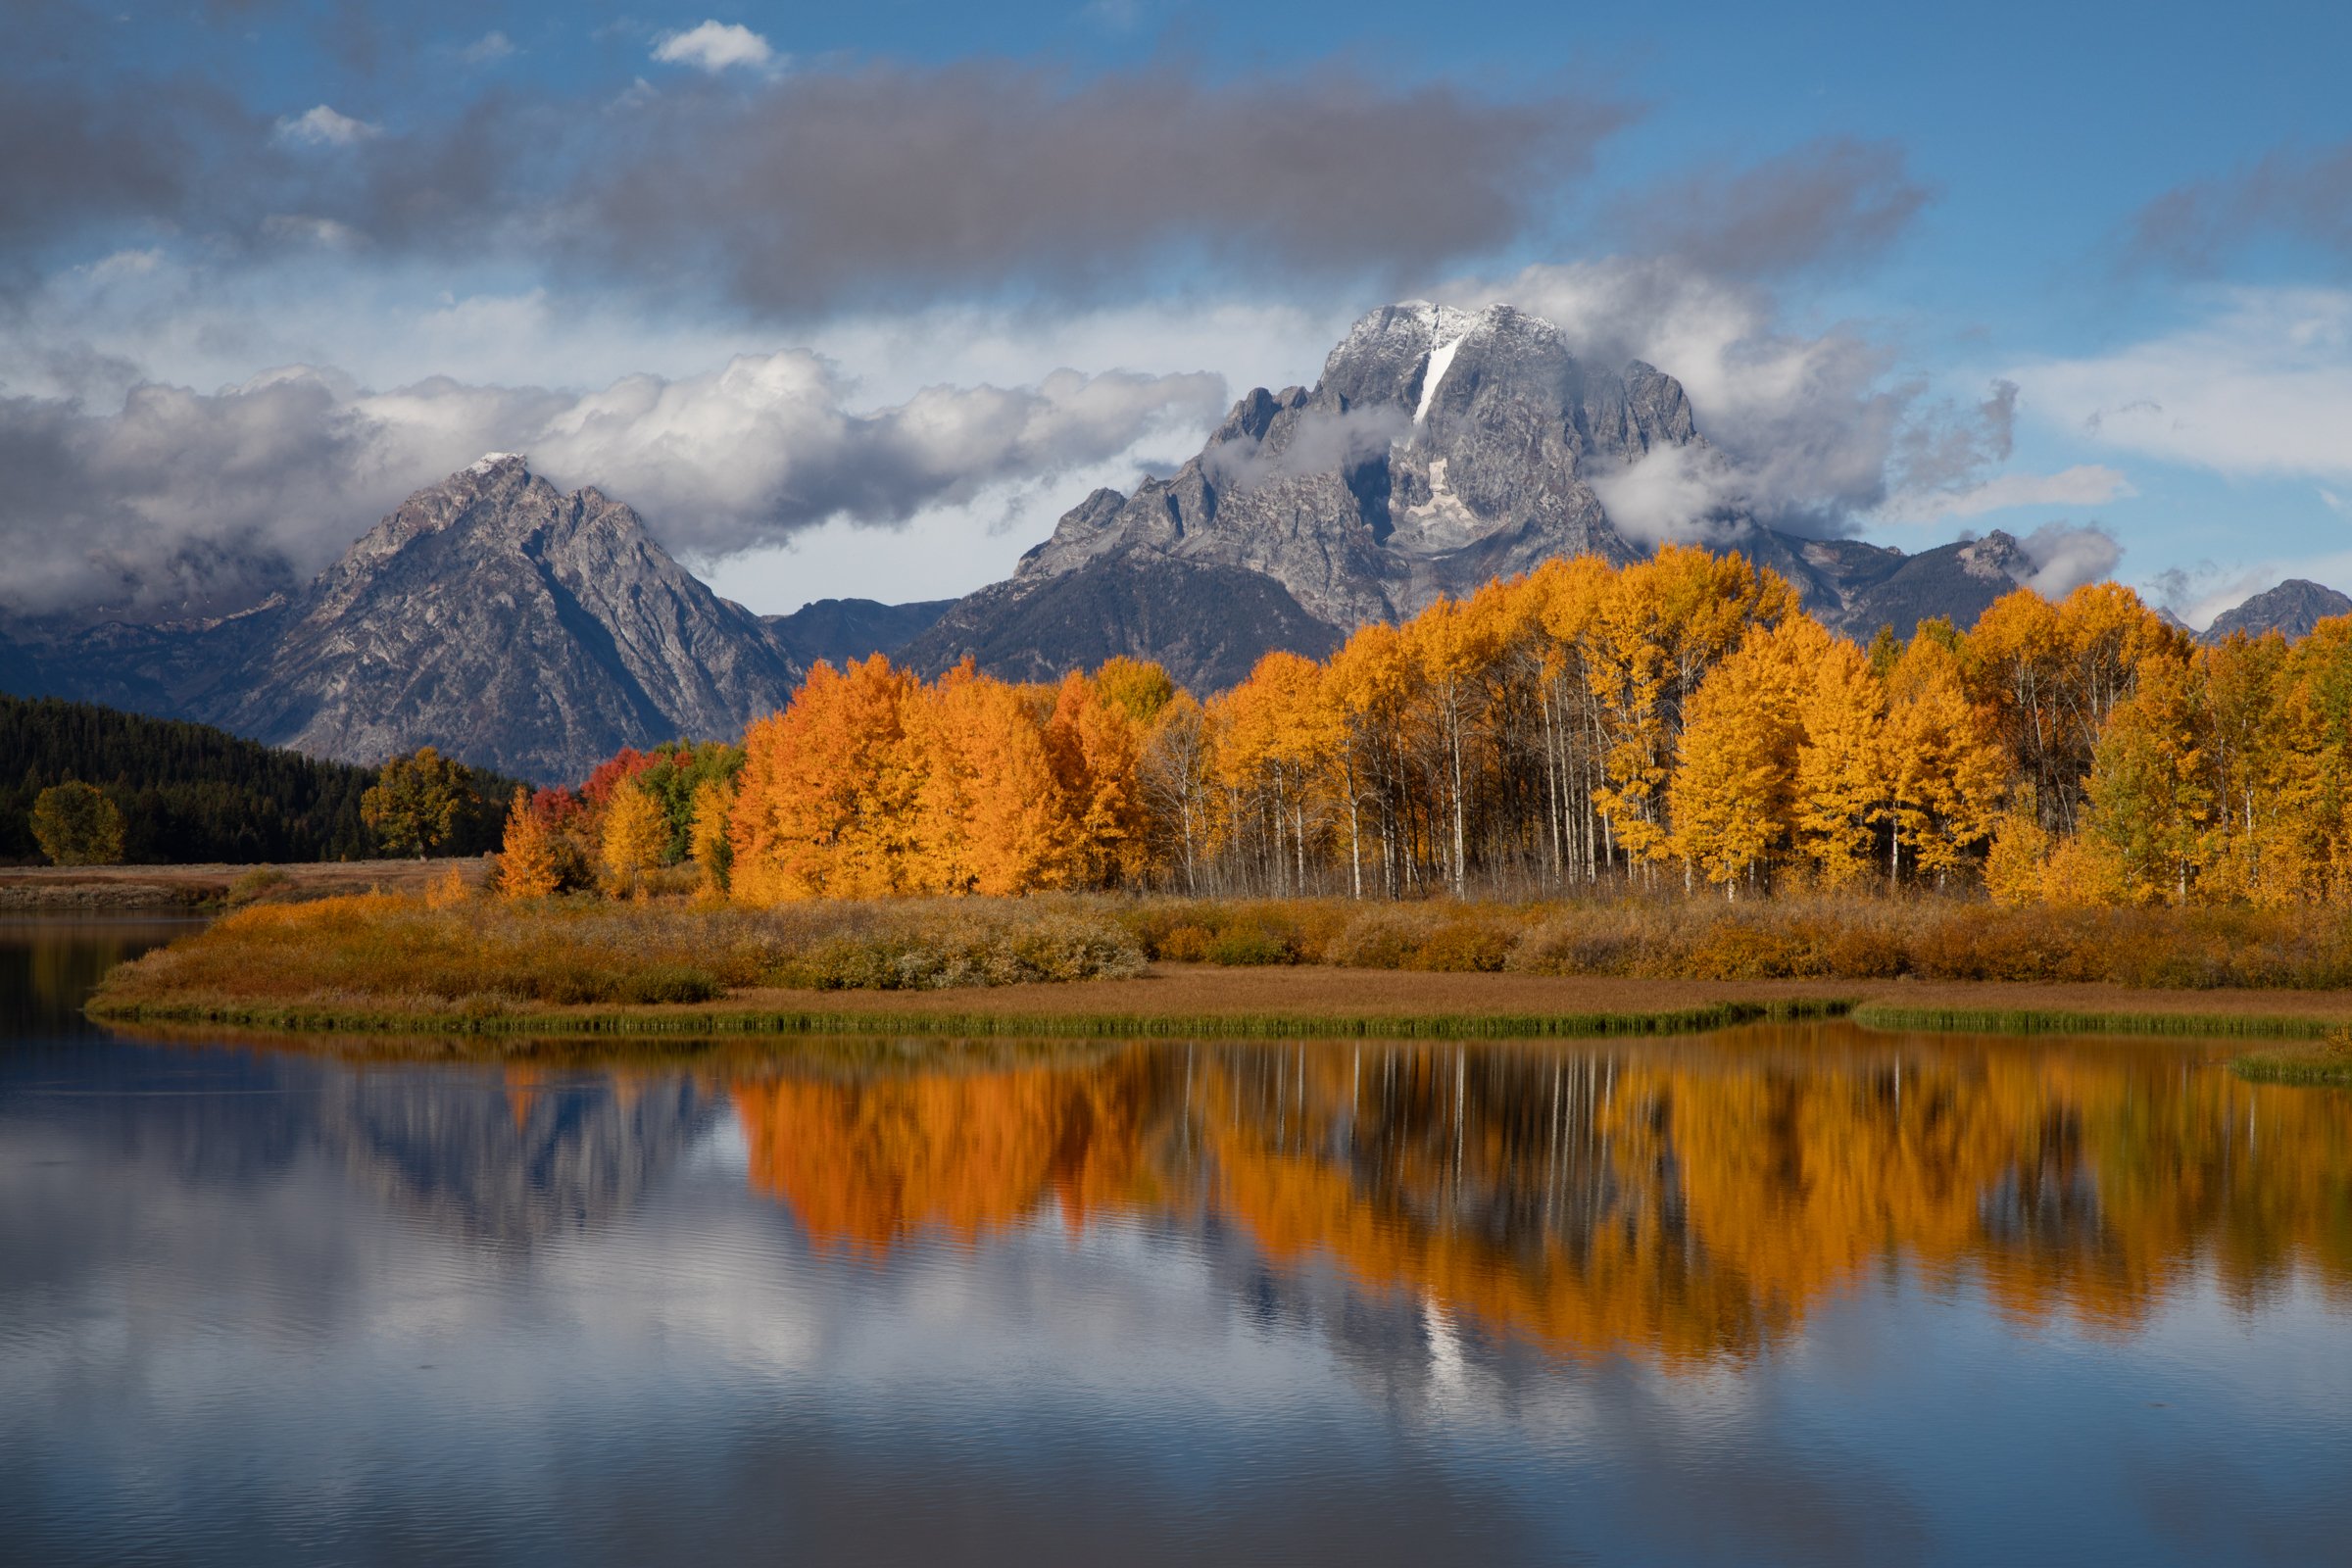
x,y
2052,1021
1049,1025
2322,1068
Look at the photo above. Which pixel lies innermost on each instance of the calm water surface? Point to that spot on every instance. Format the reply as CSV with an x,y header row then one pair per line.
x,y
1775,1295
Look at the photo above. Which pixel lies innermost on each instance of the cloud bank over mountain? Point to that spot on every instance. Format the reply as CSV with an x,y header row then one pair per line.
x,y
204,500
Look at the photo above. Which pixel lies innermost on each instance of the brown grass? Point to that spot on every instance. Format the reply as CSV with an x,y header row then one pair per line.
x,y
444,950
1852,938
974,967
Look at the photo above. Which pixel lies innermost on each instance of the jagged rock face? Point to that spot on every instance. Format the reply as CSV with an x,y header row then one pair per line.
x,y
2291,609
514,626
1440,448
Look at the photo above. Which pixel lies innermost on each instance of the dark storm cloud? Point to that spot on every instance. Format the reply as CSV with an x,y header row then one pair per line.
x,y
71,156
1829,203
877,182
979,174
2302,196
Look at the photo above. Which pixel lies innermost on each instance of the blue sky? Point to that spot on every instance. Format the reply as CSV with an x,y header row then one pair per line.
x,y
858,299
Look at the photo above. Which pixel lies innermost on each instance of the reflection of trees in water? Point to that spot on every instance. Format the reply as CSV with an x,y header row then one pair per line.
x,y
525,1156
49,965
1692,1200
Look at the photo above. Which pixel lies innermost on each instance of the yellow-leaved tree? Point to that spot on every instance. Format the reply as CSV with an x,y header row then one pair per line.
x,y
636,838
1841,764
1734,794
989,814
526,859
1945,771
706,835
2151,801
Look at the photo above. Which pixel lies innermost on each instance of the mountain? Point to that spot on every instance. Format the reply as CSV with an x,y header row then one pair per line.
x,y
513,625
1207,623
843,632
2293,608
1439,449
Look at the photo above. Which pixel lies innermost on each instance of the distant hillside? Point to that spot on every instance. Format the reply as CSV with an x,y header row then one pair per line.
x,y
190,793
843,632
2291,609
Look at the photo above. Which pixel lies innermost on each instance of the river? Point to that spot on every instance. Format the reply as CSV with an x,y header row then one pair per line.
x,y
1802,1294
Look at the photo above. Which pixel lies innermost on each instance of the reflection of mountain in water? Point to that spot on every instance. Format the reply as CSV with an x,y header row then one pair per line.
x,y
1688,1200
532,1156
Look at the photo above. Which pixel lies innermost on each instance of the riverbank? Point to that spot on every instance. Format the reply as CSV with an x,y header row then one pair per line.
x,y
1304,1001
201,889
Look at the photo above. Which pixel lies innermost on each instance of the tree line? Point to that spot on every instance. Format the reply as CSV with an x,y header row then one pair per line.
x,y
1679,723
183,793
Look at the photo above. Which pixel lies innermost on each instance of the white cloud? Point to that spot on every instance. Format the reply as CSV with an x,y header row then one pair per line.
x,y
2083,485
1668,494
2263,388
323,126
488,49
1806,424
715,46
185,498
2066,556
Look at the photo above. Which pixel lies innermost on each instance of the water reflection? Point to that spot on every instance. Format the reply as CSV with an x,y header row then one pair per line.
x,y
1690,1200
1774,1293
49,964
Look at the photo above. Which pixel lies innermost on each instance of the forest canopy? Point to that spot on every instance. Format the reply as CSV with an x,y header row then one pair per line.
x,y
191,793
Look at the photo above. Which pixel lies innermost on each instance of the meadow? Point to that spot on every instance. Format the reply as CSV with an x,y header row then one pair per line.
x,y
458,958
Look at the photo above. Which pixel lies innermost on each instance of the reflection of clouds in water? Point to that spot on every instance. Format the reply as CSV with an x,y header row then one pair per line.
x,y
580,1302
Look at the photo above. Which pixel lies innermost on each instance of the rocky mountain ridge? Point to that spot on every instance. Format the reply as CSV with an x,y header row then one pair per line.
x,y
2291,609
1440,448
537,632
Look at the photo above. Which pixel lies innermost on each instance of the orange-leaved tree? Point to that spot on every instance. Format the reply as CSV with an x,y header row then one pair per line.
x,y
825,803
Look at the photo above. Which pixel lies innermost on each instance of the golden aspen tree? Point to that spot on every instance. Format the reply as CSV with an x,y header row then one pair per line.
x,y
1264,752
526,861
1094,740
1567,598
825,802
992,817
2241,682
1945,774
2149,803
1371,684
1729,792
706,834
2014,662
1136,687
636,836
2016,866
1451,643
1841,763
1734,794
1663,626
1174,777
2311,849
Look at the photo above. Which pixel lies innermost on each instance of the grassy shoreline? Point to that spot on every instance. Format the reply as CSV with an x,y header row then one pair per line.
x,y
455,964
1304,1002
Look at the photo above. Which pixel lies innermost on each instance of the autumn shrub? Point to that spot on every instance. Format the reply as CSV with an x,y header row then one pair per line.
x,y
975,946
587,951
